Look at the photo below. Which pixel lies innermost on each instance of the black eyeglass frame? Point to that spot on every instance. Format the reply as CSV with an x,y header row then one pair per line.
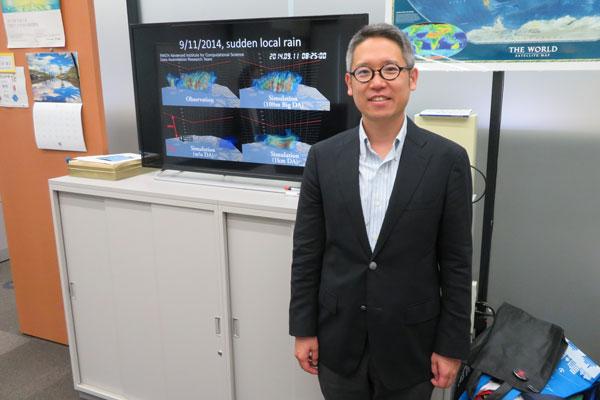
x,y
373,71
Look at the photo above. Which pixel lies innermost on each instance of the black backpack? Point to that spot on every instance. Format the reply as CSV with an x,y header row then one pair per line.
x,y
517,349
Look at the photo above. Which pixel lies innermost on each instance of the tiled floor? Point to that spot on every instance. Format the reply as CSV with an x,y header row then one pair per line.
x,y
30,368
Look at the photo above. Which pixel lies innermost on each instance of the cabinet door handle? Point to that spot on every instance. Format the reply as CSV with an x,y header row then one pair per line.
x,y
236,328
72,289
218,326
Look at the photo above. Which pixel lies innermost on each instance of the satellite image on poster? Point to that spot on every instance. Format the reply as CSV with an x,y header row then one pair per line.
x,y
501,30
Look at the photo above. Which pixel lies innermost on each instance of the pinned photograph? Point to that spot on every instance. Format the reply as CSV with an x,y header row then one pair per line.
x,y
54,77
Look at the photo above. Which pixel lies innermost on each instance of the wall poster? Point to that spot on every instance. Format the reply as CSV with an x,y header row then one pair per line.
x,y
33,23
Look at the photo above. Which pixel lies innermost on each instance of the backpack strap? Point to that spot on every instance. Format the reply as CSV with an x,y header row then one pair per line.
x,y
592,393
539,396
472,382
499,393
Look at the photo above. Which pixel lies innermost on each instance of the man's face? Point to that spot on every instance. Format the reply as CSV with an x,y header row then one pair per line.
x,y
380,100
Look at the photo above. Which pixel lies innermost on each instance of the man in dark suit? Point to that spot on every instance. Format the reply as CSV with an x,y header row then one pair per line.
x,y
381,271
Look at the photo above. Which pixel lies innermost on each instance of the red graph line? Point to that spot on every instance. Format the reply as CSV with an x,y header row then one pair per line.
x,y
174,126
202,66
285,66
279,126
197,122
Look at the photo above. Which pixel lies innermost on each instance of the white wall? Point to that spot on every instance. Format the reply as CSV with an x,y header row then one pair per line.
x,y
116,72
456,90
185,10
545,252
375,8
3,242
547,225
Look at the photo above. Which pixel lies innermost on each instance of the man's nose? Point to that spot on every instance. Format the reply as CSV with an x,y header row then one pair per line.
x,y
377,80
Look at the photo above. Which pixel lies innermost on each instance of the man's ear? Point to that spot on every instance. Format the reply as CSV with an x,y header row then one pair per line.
x,y
412,78
348,79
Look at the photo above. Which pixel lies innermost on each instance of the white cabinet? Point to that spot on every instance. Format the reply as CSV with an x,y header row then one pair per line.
x,y
259,259
145,294
177,291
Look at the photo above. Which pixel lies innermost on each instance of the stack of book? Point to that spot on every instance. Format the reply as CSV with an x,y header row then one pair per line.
x,y
108,167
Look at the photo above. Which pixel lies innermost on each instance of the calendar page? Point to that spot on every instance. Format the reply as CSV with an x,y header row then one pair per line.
x,y
58,126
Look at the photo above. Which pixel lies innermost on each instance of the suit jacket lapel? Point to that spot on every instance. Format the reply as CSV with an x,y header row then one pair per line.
x,y
347,172
413,163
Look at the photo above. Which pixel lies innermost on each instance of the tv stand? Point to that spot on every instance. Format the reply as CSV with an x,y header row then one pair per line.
x,y
238,182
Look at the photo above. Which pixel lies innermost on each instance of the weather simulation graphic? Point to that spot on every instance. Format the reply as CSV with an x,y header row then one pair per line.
x,y
282,90
285,149
202,138
206,147
194,81
256,106
501,30
278,82
197,89
283,143
256,141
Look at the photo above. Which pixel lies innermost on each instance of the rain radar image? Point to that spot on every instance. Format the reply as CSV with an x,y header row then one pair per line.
x,y
501,30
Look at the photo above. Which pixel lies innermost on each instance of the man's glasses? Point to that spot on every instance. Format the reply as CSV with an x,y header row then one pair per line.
x,y
389,72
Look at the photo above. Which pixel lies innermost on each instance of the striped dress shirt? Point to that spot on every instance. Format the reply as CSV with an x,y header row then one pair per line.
x,y
376,179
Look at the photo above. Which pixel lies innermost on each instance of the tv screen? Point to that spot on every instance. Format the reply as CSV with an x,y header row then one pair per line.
x,y
241,97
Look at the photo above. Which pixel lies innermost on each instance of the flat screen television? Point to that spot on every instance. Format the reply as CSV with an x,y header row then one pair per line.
x,y
241,97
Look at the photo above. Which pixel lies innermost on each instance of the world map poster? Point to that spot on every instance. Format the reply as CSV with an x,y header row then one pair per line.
x,y
501,30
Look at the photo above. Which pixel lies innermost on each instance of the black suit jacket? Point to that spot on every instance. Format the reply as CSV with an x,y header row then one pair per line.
x,y
409,297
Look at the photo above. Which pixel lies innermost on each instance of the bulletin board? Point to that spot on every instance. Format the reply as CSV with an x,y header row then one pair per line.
x,y
25,170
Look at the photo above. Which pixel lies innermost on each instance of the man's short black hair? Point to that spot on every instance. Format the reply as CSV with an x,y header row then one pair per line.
x,y
385,31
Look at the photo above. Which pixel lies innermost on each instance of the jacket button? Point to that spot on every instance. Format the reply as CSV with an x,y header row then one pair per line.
x,y
363,308
373,266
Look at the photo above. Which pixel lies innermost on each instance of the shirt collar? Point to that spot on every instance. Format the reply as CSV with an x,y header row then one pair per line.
x,y
398,141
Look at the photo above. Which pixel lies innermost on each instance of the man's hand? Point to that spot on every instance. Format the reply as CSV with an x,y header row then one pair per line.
x,y
307,352
444,370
